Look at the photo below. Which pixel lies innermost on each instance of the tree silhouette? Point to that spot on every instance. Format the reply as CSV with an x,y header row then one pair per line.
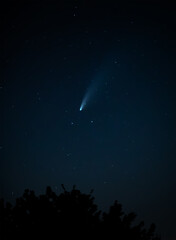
x,y
71,214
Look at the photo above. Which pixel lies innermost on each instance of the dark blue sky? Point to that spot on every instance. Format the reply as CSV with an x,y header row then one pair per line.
x,y
123,143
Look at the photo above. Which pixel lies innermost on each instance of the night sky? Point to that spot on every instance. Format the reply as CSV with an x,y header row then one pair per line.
x,y
118,60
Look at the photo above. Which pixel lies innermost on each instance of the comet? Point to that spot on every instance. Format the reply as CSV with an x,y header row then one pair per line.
x,y
84,101
95,87
88,95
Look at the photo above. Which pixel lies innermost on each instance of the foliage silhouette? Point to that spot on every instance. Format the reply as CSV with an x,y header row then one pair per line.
x,y
71,214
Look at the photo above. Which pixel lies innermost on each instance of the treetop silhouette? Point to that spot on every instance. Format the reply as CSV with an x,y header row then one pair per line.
x,y
70,214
